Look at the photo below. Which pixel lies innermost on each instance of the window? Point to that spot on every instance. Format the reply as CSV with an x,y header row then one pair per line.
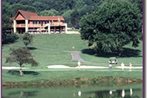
x,y
38,22
34,22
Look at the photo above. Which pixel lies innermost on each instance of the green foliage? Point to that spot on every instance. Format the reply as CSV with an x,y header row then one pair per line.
x,y
67,16
49,7
16,7
112,25
21,56
76,9
51,12
6,15
27,39
9,38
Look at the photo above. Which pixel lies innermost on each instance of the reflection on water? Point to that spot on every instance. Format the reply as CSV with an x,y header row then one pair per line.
x,y
72,93
21,94
79,93
124,93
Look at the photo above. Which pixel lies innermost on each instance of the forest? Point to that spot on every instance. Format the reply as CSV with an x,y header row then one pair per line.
x,y
72,10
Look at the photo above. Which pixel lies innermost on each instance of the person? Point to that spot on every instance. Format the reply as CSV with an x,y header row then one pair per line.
x,y
110,92
123,93
110,65
79,63
131,92
122,66
79,93
130,65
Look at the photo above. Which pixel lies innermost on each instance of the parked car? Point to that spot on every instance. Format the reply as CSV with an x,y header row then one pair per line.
x,y
113,60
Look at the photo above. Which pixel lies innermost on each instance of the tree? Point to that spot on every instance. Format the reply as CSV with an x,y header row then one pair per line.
x,y
112,25
21,56
67,16
6,14
51,12
18,6
9,38
75,16
27,39
76,9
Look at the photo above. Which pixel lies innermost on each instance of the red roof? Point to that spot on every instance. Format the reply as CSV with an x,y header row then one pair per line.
x,y
56,17
26,14
46,18
33,16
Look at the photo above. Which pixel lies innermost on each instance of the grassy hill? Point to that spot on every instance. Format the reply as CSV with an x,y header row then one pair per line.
x,y
55,49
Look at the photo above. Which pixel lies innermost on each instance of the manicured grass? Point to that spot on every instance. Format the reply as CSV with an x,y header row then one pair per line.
x,y
54,49
65,75
51,49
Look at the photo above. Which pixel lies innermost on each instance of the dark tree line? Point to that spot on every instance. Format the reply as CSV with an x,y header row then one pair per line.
x,y
114,24
108,25
72,10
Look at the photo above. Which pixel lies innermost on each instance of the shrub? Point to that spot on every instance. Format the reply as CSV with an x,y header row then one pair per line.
x,y
8,38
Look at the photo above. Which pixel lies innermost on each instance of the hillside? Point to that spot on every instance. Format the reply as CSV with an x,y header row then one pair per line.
x,y
56,48
72,10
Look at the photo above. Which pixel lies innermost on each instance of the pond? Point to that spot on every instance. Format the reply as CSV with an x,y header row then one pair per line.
x,y
128,91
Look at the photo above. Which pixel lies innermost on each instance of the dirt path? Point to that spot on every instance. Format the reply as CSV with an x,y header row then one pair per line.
x,y
76,56
78,67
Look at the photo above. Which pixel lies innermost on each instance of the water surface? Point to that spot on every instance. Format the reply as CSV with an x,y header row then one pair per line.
x,y
128,91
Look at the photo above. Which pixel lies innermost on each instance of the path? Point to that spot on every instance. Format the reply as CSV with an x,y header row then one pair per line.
x,y
76,56
57,67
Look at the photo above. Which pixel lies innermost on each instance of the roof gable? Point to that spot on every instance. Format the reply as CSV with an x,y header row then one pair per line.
x,y
22,15
25,14
19,17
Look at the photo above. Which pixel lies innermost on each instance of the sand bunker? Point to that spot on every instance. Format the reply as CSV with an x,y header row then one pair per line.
x,y
77,67
58,66
83,66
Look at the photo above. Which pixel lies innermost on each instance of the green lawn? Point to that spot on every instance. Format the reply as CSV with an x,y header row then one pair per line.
x,y
54,49
51,49
65,75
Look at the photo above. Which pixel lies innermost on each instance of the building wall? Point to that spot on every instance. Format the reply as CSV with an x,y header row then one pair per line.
x,y
38,25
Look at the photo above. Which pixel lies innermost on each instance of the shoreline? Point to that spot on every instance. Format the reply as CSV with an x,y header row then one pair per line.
x,y
106,80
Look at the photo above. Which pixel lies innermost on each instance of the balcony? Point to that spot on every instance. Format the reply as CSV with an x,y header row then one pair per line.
x,y
20,25
29,25
40,25
35,25
57,24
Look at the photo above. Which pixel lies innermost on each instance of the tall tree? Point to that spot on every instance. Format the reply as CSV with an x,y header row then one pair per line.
x,y
19,6
112,25
67,16
27,39
51,12
78,8
6,15
21,56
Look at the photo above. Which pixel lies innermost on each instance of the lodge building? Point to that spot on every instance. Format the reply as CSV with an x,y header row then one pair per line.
x,y
25,21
